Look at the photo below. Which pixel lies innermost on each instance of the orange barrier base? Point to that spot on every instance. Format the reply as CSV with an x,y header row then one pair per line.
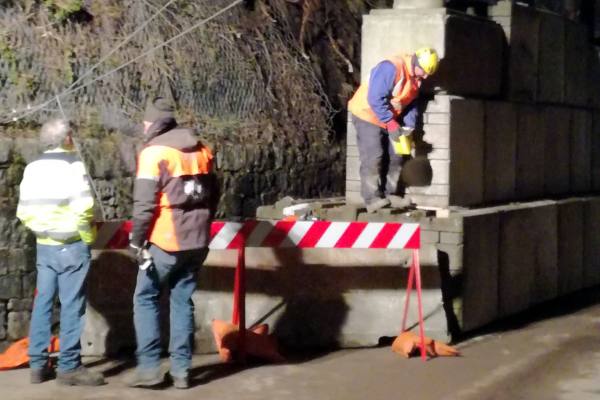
x,y
408,344
258,343
16,356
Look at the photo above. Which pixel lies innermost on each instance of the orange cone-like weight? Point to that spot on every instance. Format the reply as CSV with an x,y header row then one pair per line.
x,y
16,356
258,341
407,344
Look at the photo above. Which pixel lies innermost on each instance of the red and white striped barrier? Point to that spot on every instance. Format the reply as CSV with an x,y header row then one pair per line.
x,y
281,234
315,234
296,234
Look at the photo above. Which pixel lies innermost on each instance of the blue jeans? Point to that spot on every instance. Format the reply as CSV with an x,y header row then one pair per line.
x,y
60,268
179,272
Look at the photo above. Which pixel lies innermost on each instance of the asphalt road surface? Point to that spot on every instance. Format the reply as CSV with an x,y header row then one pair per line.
x,y
552,352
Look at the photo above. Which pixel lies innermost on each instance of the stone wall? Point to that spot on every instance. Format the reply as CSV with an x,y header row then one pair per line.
x,y
251,174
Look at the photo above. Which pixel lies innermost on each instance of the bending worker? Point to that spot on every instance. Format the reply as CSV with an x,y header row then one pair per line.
x,y
382,111
174,200
56,203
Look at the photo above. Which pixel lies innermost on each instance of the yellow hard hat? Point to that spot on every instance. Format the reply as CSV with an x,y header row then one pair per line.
x,y
428,59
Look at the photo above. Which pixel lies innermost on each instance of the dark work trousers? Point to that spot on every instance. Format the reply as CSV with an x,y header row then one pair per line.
x,y
379,165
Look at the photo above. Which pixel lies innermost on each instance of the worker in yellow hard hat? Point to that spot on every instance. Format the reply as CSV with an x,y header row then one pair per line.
x,y
383,110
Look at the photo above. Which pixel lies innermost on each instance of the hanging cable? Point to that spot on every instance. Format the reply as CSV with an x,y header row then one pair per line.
x,y
71,89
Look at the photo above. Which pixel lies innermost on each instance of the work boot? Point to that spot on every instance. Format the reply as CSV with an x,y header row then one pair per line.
x,y
80,376
377,204
39,375
398,201
180,382
145,378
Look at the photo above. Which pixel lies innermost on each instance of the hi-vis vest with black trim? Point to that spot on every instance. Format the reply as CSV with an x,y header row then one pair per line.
x,y
406,89
55,199
182,217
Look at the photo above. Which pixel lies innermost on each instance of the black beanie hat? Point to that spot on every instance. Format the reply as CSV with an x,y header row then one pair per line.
x,y
159,108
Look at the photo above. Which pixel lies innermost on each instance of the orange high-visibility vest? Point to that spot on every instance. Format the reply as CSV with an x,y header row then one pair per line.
x,y
177,227
406,89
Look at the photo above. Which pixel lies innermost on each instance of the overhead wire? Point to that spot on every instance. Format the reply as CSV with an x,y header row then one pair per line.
x,y
31,110
106,56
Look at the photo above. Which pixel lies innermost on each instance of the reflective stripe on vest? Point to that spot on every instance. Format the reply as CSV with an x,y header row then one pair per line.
x,y
406,89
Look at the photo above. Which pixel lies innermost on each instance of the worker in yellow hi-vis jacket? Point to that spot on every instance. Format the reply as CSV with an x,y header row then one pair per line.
x,y
56,203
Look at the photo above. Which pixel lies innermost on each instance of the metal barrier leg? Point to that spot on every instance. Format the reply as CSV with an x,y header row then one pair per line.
x,y
417,266
239,301
411,277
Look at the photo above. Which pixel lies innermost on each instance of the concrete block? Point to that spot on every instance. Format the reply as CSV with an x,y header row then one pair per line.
x,y
576,63
430,236
469,67
451,237
557,130
439,154
429,200
591,248
454,252
500,151
595,151
523,65
580,150
434,190
352,151
593,76
354,198
544,229
441,172
551,79
353,186
467,152
480,270
436,118
570,246
529,182
501,9
352,168
454,223
517,261
268,212
410,4
344,213
440,103
437,136
351,134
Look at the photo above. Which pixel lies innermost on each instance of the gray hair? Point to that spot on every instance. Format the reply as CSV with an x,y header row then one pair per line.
x,y
54,133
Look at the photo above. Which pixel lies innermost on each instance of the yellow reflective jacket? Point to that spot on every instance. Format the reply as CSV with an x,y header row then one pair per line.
x,y
55,200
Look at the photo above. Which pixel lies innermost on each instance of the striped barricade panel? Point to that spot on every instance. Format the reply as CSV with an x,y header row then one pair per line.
x,y
315,234
282,234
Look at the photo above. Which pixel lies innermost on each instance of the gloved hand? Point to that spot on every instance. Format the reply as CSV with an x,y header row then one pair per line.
x,y
136,253
394,130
